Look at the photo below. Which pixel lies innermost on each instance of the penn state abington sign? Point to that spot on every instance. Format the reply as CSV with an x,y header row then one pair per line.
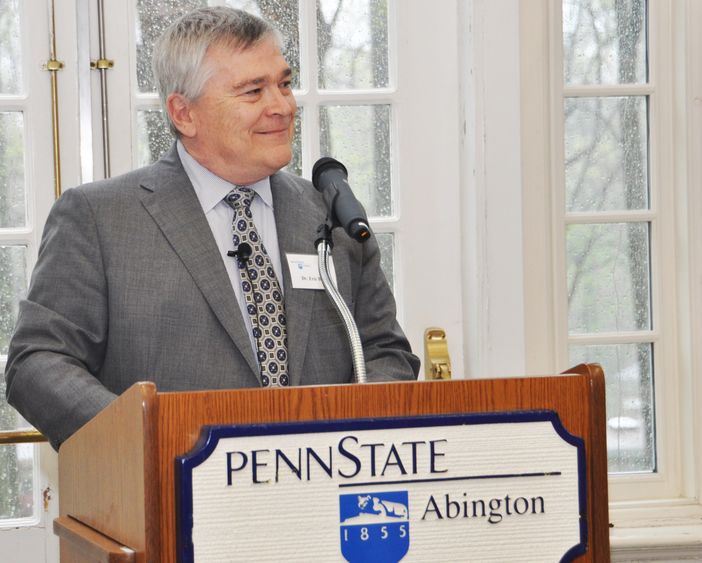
x,y
484,487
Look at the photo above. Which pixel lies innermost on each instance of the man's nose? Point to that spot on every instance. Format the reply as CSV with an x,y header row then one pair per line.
x,y
281,103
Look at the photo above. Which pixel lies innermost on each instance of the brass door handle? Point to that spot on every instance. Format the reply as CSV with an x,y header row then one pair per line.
x,y
437,362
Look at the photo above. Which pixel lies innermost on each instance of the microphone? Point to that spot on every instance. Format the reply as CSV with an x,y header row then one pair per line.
x,y
242,254
329,176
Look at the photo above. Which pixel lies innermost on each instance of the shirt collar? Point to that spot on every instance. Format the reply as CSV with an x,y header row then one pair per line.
x,y
211,189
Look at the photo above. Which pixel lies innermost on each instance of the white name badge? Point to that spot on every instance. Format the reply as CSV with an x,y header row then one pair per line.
x,y
304,271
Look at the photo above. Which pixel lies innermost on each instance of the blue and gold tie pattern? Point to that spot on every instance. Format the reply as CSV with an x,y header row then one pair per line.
x,y
264,299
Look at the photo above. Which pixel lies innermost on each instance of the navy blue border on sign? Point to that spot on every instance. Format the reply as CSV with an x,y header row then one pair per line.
x,y
211,435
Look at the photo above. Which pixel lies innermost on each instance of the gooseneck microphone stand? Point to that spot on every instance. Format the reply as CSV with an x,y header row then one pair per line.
x,y
324,245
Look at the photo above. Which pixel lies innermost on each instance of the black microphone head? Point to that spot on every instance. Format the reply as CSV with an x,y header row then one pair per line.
x,y
325,164
330,178
244,251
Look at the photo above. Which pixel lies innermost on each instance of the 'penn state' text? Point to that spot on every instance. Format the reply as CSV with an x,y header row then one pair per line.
x,y
348,459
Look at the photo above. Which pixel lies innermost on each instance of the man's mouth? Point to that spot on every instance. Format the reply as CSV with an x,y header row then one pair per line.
x,y
274,131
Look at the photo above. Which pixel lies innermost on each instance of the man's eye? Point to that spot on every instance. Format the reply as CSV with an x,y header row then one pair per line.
x,y
253,92
287,85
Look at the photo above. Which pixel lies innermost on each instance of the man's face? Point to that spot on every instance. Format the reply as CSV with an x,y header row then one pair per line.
x,y
242,124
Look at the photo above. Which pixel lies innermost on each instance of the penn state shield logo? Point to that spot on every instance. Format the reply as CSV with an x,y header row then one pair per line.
x,y
374,527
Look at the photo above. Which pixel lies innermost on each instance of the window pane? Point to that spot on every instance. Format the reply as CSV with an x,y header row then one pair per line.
x,y
295,165
284,15
352,38
12,196
359,136
10,48
608,277
153,16
16,481
13,273
153,136
10,419
606,150
630,413
16,466
604,41
154,139
386,242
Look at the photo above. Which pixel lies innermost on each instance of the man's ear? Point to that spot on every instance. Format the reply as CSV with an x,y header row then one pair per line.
x,y
178,108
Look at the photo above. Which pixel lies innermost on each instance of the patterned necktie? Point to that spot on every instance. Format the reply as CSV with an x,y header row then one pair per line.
x,y
264,300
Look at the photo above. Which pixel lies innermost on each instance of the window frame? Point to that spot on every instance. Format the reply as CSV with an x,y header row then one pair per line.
x,y
659,216
33,536
639,503
30,101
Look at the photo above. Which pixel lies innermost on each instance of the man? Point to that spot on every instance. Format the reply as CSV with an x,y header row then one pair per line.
x,y
135,278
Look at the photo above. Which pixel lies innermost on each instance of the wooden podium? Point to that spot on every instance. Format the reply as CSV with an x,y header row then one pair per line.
x,y
117,477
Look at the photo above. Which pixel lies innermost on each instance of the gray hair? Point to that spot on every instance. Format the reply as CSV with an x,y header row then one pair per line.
x,y
179,52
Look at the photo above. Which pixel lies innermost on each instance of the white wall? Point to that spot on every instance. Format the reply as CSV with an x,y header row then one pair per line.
x,y
491,187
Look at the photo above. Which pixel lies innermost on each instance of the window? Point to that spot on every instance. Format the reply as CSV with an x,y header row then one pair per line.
x,y
26,194
608,125
609,213
615,213
17,460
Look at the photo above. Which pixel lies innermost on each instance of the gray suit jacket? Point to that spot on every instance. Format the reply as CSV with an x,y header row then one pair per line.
x,y
130,286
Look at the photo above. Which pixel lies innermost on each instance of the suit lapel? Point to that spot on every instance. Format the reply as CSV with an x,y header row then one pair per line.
x,y
170,199
297,219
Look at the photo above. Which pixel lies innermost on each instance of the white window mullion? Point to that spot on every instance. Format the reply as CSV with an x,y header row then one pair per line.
x,y
608,90
666,261
638,216
307,97
625,337
558,181
692,172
